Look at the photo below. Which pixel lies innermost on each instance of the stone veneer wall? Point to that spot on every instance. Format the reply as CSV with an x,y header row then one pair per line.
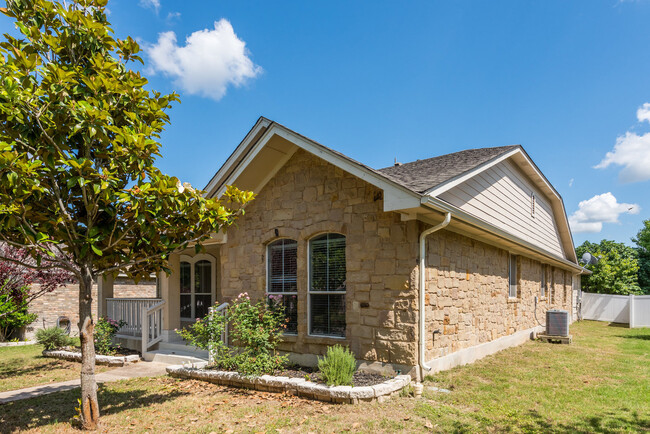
x,y
467,293
64,301
307,197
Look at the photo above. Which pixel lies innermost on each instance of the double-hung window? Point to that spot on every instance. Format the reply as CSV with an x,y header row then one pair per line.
x,y
512,276
327,281
281,280
542,280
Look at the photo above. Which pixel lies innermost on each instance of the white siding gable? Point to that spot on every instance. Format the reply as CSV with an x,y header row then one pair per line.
x,y
501,195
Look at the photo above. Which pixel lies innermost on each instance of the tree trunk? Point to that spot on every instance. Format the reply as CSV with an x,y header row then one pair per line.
x,y
89,405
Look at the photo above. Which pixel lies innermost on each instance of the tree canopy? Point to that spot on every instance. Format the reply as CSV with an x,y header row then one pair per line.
x,y
616,271
79,136
642,241
78,140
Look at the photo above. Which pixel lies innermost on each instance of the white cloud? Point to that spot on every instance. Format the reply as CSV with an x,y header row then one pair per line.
x,y
172,16
602,208
633,153
571,182
207,64
150,4
643,112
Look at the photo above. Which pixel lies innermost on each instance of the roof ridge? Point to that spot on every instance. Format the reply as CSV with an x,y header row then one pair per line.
x,y
423,175
505,147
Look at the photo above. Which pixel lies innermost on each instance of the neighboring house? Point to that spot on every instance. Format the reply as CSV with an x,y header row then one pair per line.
x,y
64,303
339,243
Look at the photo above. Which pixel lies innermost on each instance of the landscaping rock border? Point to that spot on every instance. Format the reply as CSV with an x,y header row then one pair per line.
x,y
99,359
16,344
297,386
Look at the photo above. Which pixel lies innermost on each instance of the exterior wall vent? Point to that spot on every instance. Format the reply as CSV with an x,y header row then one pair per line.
x,y
557,322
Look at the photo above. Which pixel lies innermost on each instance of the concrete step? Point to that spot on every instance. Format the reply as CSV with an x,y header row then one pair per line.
x,y
182,348
174,358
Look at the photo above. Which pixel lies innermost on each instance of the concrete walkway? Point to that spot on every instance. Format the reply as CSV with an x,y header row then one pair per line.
x,y
140,369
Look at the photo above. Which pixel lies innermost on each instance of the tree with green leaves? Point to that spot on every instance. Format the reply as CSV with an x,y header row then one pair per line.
x,y
79,135
616,270
642,241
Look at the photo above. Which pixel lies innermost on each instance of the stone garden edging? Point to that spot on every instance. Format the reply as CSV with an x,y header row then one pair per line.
x,y
297,386
99,359
16,344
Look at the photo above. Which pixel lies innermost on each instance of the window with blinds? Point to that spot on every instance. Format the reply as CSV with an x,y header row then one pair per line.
x,y
281,286
512,293
327,281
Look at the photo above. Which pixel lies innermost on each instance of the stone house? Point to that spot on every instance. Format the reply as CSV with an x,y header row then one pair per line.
x,y
416,267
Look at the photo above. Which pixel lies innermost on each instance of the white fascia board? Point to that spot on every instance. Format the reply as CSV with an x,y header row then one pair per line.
x,y
441,188
261,123
483,167
396,197
562,217
440,206
246,161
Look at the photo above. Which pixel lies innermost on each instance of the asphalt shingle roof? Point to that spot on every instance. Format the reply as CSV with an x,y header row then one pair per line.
x,y
423,175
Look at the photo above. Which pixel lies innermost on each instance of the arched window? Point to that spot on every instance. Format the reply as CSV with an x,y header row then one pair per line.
x,y
197,286
281,279
327,282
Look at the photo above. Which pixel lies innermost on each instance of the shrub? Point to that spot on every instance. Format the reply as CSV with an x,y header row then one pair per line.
x,y
13,313
105,329
53,338
338,366
256,330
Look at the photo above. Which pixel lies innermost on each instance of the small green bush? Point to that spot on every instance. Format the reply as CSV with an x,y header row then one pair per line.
x,y
13,313
53,338
255,331
338,366
105,330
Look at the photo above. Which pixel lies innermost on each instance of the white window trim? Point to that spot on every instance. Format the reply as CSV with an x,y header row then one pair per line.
x,y
213,280
310,292
510,257
268,280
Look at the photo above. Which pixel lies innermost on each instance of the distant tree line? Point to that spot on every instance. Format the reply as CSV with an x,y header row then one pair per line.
x,y
621,269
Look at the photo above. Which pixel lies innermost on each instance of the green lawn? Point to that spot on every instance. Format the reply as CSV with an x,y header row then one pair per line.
x,y
24,366
600,383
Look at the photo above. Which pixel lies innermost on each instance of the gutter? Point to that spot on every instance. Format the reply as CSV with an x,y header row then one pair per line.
x,y
440,206
422,287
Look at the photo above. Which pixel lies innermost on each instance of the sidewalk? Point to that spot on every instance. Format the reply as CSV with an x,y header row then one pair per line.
x,y
140,369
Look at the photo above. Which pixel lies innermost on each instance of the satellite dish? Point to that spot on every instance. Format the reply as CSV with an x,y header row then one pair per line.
x,y
589,259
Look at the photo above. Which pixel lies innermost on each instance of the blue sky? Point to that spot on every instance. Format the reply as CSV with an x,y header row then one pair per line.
x,y
407,80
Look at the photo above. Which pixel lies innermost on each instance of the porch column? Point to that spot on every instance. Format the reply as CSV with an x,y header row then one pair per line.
x,y
104,291
170,292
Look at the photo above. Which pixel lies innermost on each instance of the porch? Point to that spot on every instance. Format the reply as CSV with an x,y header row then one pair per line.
x,y
187,293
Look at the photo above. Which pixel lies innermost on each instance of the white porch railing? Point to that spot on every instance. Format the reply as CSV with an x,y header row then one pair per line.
x,y
129,310
152,326
222,309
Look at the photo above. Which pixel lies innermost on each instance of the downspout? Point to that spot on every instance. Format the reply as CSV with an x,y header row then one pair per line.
x,y
422,271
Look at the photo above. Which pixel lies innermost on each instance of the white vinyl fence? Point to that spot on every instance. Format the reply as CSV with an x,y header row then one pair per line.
x,y
631,309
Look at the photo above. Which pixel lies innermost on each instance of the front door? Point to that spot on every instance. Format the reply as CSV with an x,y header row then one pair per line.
x,y
197,286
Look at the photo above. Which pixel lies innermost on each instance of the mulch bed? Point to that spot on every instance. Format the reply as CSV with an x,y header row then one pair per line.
x,y
359,379
310,374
